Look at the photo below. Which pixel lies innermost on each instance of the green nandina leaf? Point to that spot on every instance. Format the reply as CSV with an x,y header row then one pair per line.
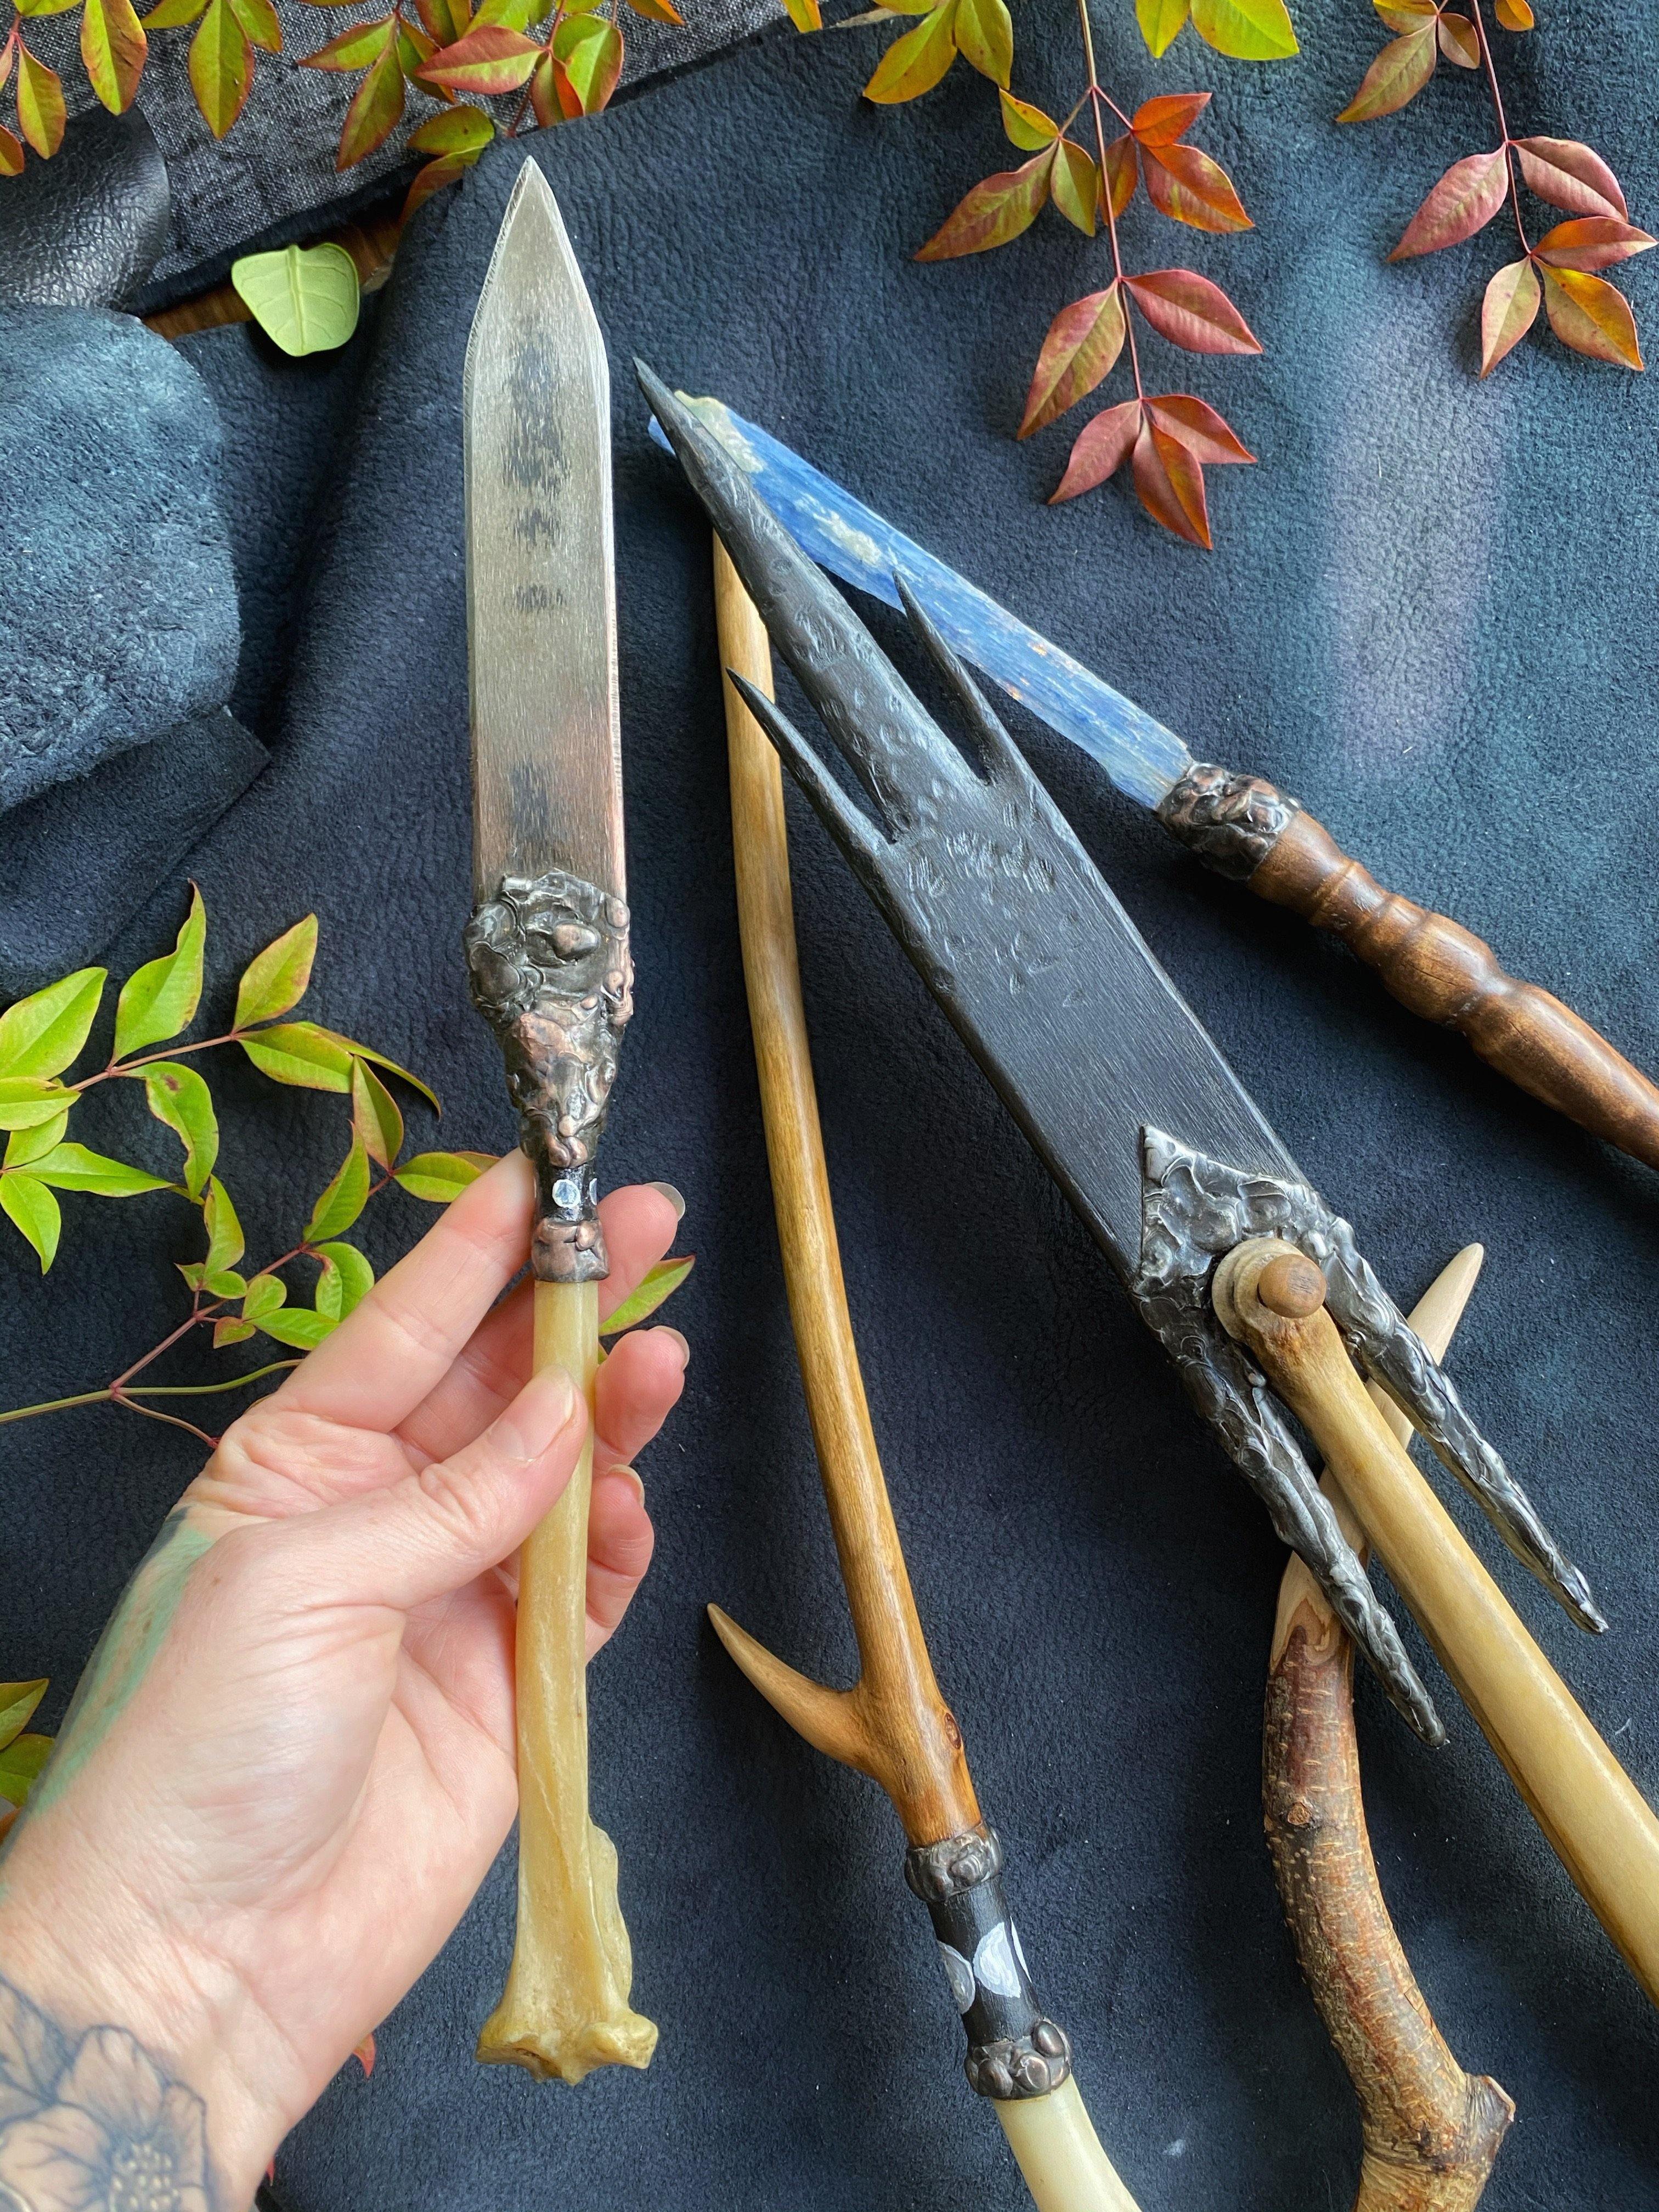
x,y
591,50
265,1294
45,8
27,1101
21,1763
275,980
227,1331
342,1201
984,33
40,110
414,50
24,1146
172,14
221,68
441,1176
179,1097
510,14
376,108
305,299
32,1207
454,131
41,1034
225,1283
112,46
258,19
1027,126
660,1283
380,1058
159,1000
298,1326
226,1242
998,208
1082,347
375,1119
300,1053
446,21
914,63
490,59
347,1279
352,49
11,154
1159,21
1246,30
72,1167
1076,186
17,1702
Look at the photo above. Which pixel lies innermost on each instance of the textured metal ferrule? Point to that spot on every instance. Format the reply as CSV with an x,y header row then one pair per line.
x,y
1014,2049
1231,822
549,968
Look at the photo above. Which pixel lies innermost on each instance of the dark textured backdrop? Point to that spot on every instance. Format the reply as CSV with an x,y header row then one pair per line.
x,y
1431,616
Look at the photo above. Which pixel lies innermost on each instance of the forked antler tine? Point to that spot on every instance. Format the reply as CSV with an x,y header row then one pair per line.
x,y
828,1719
895,747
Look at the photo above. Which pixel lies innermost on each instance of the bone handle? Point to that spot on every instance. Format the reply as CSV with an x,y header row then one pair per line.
x,y
565,2009
1596,1821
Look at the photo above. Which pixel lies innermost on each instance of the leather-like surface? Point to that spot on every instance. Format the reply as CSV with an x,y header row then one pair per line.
x,y
85,229
1427,615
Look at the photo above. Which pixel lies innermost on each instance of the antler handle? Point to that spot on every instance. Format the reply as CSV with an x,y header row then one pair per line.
x,y
1272,1297
1243,827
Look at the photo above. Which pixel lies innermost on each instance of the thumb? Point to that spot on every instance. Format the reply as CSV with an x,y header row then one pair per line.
x,y
429,1533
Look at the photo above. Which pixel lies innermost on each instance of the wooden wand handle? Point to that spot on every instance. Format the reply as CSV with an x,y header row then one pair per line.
x,y
1271,1296
893,1724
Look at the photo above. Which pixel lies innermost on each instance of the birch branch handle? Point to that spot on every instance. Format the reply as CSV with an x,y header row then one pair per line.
x,y
565,2009
1592,1812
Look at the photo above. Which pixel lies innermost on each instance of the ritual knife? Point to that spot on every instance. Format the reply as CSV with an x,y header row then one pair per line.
x,y
547,962
1240,826
1249,1280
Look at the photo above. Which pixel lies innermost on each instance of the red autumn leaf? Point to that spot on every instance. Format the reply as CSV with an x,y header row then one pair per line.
x,y
354,49
1507,312
1398,75
1571,177
553,98
1075,185
377,105
1591,242
431,177
664,11
11,154
1161,121
1190,311
1185,183
489,58
1591,316
1122,170
1170,484
1083,345
1458,41
1516,15
1102,448
1407,14
590,51
1466,199
1204,433
364,2054
996,210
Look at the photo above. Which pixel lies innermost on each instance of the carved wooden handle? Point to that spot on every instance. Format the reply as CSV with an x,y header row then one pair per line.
x,y
1445,973
1595,1818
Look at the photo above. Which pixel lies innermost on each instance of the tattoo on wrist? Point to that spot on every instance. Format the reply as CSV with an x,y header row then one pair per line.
x,y
94,2123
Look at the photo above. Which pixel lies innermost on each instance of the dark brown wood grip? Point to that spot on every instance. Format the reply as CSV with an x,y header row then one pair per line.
x,y
1448,974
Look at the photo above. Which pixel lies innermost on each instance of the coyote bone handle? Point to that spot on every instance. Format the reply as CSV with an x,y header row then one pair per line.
x,y
565,2009
1271,1298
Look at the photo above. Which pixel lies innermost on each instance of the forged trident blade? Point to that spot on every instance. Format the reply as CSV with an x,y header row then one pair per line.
x,y
1090,1044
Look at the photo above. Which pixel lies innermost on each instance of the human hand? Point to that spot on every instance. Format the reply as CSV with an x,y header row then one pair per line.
x,y
290,1763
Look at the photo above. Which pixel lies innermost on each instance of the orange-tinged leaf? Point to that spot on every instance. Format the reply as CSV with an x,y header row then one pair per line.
x,y
1206,434
1407,14
376,107
414,50
553,98
446,21
354,49
1170,484
914,63
1464,201
220,66
364,2053
1192,312
1398,75
590,49
1591,242
1591,316
1507,312
1075,185
984,33
1458,41
431,177
1515,15
1027,126
1082,346
258,19
1185,183
1571,176
1122,172
112,46
804,15
1103,446
8,55
456,130
996,210
40,111
489,58
1161,121
11,154
664,11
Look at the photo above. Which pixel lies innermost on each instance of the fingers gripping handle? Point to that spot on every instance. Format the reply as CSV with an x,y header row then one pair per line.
x,y
1271,1296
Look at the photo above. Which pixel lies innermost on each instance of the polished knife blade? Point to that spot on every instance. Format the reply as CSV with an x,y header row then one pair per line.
x,y
540,567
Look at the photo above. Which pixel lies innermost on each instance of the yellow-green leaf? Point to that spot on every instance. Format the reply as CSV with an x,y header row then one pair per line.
x,y
342,1201
592,52
300,1053
35,1211
112,46
21,1763
1027,126
46,7
661,1282
305,298
985,36
1246,30
265,1294
159,999
221,67
1075,186
441,1176
1159,21
178,1096
377,105
914,63
347,1279
375,1119
258,19
298,1326
368,1052
72,1167
226,1242
27,1102
42,1034
172,14
40,111
11,154
17,1703
226,1331
454,131
275,980
24,1146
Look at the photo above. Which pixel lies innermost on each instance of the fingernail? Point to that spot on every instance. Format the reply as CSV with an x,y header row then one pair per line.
x,y
686,1349
673,1198
632,1479
545,1405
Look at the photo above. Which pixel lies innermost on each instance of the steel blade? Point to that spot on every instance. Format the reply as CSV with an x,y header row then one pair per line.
x,y
540,568
1142,758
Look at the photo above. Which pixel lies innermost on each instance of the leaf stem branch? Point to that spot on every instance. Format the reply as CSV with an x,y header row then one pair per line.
x,y
1097,97
1493,87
